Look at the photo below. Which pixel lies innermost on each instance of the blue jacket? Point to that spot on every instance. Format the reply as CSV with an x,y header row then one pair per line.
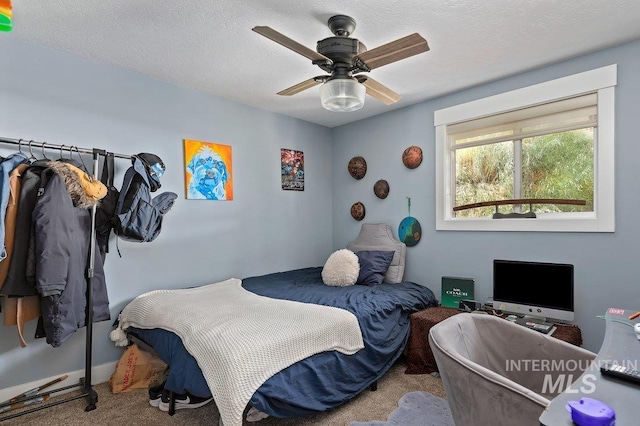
x,y
6,167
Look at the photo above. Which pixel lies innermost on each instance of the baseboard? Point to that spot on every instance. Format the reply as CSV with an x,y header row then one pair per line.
x,y
99,374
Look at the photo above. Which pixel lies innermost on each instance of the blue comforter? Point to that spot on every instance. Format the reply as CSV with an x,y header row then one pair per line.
x,y
327,379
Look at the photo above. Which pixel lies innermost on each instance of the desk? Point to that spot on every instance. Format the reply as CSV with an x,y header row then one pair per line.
x,y
621,346
418,354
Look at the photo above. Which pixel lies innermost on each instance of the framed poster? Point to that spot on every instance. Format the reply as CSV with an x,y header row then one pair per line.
x,y
292,169
208,171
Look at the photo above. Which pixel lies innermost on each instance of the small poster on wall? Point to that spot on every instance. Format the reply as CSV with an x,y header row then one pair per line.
x,y
292,169
208,171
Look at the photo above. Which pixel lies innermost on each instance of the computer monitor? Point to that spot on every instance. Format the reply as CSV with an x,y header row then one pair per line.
x,y
536,289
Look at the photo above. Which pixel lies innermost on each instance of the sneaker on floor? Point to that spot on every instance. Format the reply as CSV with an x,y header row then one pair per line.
x,y
255,415
155,394
183,401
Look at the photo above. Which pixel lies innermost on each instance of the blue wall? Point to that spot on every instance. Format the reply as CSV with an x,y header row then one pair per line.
x,y
51,96
605,264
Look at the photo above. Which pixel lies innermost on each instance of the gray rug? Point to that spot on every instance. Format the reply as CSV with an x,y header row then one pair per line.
x,y
417,409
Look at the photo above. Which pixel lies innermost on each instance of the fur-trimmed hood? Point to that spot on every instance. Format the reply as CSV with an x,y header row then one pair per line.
x,y
84,191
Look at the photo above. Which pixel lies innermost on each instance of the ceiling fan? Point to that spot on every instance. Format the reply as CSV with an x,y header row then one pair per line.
x,y
346,60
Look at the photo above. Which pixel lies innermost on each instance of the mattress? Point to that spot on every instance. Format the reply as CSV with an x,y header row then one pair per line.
x,y
324,380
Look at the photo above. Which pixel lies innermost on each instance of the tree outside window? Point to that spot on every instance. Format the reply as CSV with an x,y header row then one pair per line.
x,y
557,166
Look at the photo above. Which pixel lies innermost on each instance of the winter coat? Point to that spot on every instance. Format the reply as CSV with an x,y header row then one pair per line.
x,y
16,283
15,184
62,230
6,167
17,310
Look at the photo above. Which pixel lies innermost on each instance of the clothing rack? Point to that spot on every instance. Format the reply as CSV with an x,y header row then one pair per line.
x,y
85,382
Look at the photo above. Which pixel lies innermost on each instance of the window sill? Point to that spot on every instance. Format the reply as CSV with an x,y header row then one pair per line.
x,y
581,222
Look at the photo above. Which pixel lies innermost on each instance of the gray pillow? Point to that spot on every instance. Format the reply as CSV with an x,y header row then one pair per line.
x,y
373,266
379,236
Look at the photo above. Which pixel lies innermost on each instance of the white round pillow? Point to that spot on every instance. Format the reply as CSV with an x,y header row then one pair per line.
x,y
341,269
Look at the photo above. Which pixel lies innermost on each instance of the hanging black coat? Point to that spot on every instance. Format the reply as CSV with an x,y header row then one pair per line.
x,y
16,283
62,230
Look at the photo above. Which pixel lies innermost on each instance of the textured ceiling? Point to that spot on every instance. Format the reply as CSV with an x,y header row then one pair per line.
x,y
208,45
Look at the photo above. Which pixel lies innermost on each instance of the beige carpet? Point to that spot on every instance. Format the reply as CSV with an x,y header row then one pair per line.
x,y
132,408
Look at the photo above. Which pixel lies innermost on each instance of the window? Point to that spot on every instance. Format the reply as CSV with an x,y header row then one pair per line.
x,y
541,152
552,142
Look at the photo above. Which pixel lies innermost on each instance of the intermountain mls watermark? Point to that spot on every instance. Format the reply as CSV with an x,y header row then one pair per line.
x,y
560,374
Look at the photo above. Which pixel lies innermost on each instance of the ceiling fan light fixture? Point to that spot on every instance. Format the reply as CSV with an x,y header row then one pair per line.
x,y
342,94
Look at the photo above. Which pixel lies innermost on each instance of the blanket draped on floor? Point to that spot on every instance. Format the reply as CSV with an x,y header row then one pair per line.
x,y
241,339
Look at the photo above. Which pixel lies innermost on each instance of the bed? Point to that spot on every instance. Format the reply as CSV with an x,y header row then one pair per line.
x,y
328,378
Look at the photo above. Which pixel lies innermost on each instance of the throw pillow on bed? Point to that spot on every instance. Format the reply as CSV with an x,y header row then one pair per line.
x,y
373,266
341,269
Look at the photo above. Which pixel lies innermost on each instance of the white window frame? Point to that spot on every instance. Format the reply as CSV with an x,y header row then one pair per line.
x,y
601,81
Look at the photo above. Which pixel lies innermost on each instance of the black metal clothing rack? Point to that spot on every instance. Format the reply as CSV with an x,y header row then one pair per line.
x,y
85,382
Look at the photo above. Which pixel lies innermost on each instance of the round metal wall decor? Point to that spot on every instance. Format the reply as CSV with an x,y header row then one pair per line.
x,y
381,189
412,157
357,167
357,210
409,231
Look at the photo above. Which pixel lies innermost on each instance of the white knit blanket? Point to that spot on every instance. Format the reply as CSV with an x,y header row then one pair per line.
x,y
240,339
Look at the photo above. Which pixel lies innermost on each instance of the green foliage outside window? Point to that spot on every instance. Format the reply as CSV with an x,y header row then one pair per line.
x,y
559,165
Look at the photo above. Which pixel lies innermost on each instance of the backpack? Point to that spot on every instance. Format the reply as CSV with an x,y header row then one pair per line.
x,y
138,216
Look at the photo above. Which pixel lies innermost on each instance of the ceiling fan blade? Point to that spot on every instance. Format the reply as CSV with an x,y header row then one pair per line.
x,y
394,51
285,41
379,91
307,84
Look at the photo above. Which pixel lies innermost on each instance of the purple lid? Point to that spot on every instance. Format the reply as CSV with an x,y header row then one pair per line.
x,y
591,412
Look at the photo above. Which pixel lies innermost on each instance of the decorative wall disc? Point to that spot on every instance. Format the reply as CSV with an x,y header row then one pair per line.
x,y
357,167
412,157
410,231
381,188
357,210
